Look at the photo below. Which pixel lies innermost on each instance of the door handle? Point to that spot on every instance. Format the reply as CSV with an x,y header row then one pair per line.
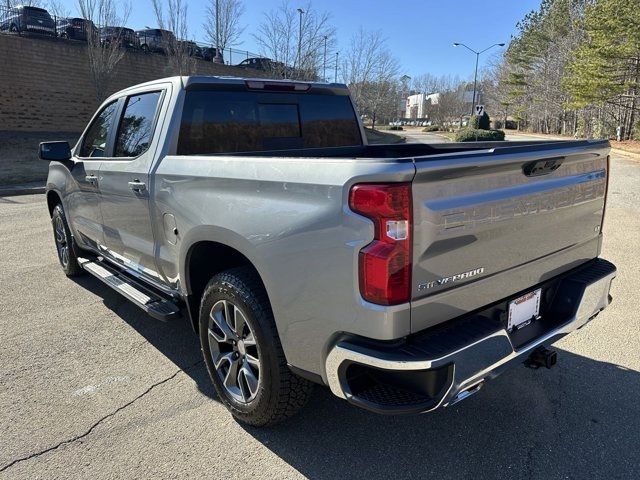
x,y
137,186
91,178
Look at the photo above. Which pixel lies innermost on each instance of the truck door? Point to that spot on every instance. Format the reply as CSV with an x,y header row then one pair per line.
x,y
82,200
124,184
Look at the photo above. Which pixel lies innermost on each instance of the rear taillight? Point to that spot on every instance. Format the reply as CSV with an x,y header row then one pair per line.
x,y
385,264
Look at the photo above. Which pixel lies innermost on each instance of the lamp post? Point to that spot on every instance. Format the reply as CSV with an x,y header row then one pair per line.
x,y
404,79
301,12
324,61
475,78
335,76
218,57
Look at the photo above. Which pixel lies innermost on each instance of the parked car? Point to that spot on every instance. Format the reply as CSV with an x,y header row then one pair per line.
x,y
126,37
404,277
155,40
209,53
23,19
258,63
192,48
75,28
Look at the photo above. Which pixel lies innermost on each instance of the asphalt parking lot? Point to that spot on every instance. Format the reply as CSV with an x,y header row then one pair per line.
x,y
92,388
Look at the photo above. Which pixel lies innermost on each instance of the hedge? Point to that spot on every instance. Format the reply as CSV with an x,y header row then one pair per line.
x,y
476,135
431,128
396,127
482,122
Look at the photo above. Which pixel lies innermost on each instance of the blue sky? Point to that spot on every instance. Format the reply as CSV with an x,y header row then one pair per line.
x,y
419,32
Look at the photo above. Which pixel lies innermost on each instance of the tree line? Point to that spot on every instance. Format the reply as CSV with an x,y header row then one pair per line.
x,y
572,68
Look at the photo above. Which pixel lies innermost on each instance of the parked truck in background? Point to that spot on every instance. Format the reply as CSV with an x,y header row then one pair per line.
x,y
403,277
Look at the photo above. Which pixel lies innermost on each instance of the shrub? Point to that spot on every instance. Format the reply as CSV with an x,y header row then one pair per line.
x,y
481,122
474,134
396,127
431,128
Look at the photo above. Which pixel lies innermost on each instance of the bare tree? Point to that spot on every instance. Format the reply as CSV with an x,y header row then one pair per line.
x,y
58,9
370,71
293,38
104,56
222,24
177,48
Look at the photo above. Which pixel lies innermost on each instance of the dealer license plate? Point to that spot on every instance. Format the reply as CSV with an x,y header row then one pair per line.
x,y
523,310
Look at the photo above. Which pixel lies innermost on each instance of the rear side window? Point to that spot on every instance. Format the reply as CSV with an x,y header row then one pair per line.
x,y
136,125
230,122
94,143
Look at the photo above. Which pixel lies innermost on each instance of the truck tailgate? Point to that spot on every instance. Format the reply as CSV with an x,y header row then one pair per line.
x,y
491,223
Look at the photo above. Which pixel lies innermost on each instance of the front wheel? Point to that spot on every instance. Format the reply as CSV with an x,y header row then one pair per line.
x,y
242,351
64,243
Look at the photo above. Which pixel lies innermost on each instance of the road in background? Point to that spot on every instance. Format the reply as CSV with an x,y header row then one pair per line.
x,y
94,388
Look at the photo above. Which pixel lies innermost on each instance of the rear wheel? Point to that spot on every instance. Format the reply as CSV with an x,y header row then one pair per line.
x,y
243,353
64,243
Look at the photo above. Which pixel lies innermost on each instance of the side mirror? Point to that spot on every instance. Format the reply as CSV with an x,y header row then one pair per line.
x,y
54,151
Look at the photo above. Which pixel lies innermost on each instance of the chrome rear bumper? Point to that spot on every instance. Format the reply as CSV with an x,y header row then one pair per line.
x,y
461,359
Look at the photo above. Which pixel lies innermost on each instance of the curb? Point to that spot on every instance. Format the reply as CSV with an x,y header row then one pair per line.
x,y
14,190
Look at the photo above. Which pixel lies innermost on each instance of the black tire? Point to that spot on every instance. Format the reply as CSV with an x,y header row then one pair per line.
x,y
279,393
65,246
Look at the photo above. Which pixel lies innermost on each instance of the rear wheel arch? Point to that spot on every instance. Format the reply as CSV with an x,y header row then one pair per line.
x,y
203,260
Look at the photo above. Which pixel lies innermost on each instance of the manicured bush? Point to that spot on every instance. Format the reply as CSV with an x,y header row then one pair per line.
x,y
396,127
477,135
481,122
431,128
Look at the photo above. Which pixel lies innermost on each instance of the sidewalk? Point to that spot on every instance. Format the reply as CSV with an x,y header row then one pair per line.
x,y
21,189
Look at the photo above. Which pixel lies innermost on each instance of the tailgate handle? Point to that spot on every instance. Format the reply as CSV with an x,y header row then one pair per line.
x,y
542,167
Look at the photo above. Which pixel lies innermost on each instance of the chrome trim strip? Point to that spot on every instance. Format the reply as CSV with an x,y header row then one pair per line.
x,y
471,364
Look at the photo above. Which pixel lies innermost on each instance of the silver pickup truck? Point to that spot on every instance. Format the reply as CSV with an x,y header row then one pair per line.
x,y
403,277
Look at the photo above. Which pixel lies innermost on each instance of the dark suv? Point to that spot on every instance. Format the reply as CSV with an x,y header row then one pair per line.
x,y
75,28
191,48
209,54
125,36
27,19
155,39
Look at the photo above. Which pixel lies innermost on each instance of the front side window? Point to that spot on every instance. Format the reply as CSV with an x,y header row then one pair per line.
x,y
136,126
94,143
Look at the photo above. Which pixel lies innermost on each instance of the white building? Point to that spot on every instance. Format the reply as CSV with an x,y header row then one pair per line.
x,y
416,104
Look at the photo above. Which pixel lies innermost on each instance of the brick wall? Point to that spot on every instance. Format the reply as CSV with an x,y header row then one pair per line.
x,y
45,83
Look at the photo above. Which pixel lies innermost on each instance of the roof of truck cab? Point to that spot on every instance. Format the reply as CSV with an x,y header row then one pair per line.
x,y
188,81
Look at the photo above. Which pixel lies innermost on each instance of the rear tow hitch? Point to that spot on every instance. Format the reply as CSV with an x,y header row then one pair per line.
x,y
541,357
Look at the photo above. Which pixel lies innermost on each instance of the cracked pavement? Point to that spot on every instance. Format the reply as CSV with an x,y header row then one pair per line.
x,y
90,387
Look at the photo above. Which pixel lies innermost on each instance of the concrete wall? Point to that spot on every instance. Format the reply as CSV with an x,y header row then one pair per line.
x,y
46,93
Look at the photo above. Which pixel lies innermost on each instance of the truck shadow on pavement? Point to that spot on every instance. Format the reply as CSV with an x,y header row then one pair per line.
x,y
578,420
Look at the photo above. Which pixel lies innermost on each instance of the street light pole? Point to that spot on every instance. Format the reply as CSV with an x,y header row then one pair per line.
x,y
324,61
335,76
218,57
475,77
300,11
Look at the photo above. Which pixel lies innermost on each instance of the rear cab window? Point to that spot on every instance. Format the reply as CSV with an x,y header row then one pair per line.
x,y
135,131
216,121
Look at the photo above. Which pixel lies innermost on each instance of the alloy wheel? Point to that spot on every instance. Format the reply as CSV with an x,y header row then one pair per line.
x,y
62,245
234,351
